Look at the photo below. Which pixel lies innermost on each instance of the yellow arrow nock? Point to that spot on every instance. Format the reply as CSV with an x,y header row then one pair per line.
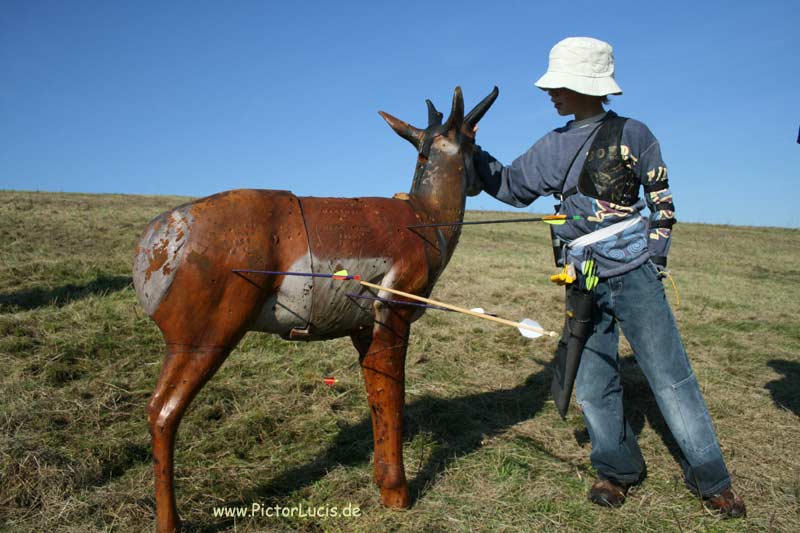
x,y
566,276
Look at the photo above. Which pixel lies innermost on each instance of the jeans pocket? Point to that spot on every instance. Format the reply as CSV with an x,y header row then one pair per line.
x,y
699,431
651,267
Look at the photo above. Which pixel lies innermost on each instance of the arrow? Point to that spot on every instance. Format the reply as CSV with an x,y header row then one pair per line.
x,y
527,324
396,302
340,275
553,220
590,278
400,302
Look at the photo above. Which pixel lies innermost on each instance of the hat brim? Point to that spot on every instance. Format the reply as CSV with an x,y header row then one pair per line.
x,y
601,86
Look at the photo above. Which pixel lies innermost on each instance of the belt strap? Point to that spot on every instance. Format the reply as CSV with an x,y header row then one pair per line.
x,y
566,194
604,233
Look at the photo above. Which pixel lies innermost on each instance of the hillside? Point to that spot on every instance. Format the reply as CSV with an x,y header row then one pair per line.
x,y
485,448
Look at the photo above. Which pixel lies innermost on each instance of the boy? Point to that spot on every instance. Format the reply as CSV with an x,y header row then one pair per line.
x,y
596,165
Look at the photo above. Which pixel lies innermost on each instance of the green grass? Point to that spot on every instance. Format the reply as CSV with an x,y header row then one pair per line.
x,y
484,447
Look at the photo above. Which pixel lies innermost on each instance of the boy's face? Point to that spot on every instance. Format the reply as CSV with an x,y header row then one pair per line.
x,y
569,102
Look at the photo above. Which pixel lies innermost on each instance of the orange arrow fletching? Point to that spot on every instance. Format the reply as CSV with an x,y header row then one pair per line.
x,y
343,274
554,220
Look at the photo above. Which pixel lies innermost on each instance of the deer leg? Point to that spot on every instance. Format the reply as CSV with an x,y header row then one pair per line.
x,y
383,367
183,374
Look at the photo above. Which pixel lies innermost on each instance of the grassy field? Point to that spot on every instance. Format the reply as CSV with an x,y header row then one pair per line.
x,y
485,448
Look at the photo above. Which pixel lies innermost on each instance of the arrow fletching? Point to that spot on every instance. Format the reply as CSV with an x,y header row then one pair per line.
x,y
554,220
529,333
342,274
558,220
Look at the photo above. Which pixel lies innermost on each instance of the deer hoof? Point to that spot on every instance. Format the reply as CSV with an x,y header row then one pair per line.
x,y
169,525
396,498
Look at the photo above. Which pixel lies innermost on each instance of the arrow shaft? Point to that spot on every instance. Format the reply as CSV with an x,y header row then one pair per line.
x,y
278,273
553,218
459,309
399,302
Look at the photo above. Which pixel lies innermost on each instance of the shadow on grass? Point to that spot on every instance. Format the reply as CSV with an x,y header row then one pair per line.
x,y
61,296
457,427
786,390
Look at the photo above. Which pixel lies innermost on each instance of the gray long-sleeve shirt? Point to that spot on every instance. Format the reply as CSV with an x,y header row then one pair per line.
x,y
553,164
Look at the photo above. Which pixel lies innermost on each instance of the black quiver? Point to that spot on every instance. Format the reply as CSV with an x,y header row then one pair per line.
x,y
578,326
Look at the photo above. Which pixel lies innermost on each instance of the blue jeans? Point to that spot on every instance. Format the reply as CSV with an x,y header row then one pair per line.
x,y
636,301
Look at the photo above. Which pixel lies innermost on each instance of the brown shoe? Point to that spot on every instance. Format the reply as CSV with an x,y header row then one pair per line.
x,y
607,493
726,504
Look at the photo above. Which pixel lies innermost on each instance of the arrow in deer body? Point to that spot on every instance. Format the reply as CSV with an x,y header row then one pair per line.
x,y
553,220
336,275
527,327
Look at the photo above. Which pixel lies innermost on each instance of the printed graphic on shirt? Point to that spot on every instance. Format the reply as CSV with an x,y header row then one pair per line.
x,y
607,174
658,200
609,211
631,159
659,233
656,174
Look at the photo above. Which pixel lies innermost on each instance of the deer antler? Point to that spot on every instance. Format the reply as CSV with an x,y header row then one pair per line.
x,y
434,117
479,110
456,118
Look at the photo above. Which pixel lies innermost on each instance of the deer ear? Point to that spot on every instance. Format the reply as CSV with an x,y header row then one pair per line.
x,y
403,129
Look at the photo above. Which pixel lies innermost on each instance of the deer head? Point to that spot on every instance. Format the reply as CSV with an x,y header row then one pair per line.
x,y
444,171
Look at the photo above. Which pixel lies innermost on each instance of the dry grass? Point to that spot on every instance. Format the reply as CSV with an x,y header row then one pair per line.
x,y
485,448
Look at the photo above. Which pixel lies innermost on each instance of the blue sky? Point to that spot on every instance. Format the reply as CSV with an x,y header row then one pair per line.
x,y
192,98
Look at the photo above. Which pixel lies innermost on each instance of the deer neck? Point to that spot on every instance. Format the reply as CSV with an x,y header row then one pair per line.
x,y
438,191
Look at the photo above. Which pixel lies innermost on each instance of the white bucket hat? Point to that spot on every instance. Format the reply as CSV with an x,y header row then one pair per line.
x,y
583,64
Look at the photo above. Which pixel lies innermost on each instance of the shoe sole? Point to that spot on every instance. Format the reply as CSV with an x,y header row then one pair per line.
x,y
603,502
